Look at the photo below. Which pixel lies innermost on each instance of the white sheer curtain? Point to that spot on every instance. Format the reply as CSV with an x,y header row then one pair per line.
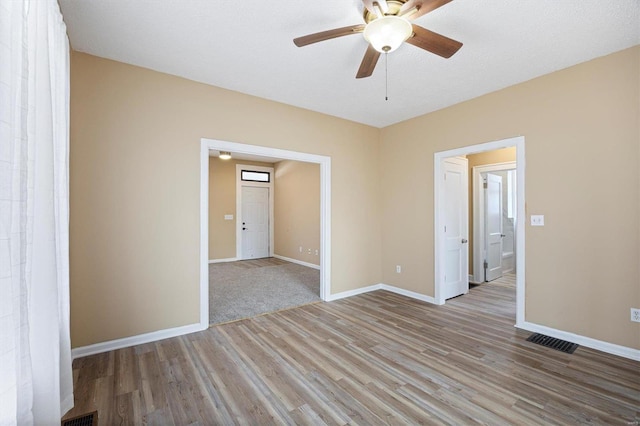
x,y
35,353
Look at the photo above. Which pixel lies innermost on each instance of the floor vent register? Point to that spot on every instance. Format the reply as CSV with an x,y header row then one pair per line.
x,y
83,420
553,343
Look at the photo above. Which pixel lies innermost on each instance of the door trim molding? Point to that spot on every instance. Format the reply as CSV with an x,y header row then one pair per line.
x,y
206,145
239,184
478,213
518,142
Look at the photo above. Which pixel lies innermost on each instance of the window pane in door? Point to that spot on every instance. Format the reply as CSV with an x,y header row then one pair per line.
x,y
253,176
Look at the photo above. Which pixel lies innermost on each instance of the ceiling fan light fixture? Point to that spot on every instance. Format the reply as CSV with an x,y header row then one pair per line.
x,y
224,155
386,34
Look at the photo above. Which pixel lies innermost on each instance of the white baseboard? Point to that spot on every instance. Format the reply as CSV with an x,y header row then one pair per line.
x,y
600,345
355,292
381,286
408,293
299,262
230,259
135,340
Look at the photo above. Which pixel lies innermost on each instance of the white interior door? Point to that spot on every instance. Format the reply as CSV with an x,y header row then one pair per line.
x,y
493,227
454,204
255,222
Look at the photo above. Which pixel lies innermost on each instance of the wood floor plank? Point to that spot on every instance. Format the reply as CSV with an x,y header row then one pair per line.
x,y
125,370
376,358
124,409
215,397
435,406
106,400
227,374
351,405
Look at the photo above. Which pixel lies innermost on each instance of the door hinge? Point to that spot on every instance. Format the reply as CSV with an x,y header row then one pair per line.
x,y
486,265
485,185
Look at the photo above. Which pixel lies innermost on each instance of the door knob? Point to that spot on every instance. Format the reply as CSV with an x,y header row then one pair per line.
x,y
464,241
502,235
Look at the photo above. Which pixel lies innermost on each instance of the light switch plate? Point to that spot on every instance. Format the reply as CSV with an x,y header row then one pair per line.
x,y
537,220
228,217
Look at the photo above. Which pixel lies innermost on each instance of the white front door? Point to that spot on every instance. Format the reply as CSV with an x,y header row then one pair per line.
x,y
454,204
255,222
493,227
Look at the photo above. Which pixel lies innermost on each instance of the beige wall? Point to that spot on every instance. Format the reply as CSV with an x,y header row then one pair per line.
x,y
222,201
582,130
135,182
297,211
135,137
490,157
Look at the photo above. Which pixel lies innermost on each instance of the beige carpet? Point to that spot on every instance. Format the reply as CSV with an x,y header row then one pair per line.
x,y
249,288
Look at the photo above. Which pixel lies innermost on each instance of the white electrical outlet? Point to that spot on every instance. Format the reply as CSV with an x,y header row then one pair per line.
x,y
316,252
537,220
398,269
300,249
635,314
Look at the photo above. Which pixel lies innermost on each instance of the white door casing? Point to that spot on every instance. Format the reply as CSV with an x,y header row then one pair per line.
x,y
519,143
493,227
208,145
454,227
255,222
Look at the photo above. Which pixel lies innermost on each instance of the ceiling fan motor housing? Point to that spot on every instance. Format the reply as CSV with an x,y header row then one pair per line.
x,y
393,8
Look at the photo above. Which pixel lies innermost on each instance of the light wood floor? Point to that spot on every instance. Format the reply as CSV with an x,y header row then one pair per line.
x,y
377,358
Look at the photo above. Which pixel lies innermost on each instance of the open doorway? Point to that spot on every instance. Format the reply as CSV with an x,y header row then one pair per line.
x,y
493,216
321,251
272,261
448,206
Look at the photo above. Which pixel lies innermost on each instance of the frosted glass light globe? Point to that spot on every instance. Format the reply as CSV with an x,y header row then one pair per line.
x,y
386,34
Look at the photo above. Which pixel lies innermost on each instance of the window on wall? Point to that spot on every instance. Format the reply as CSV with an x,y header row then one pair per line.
x,y
255,176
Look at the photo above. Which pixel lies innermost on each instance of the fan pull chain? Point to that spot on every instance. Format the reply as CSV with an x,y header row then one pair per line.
x,y
386,76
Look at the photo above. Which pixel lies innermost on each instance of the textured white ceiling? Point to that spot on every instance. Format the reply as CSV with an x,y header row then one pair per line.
x,y
247,46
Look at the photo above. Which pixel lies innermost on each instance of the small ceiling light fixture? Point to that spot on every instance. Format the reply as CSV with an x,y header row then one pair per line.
x,y
387,33
224,155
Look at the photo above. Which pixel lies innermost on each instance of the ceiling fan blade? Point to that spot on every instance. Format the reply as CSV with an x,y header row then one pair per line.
x,y
327,35
370,5
433,42
368,62
414,9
